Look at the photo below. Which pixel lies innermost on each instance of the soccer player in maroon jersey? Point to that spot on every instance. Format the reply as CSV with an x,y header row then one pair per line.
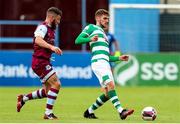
x,y
43,45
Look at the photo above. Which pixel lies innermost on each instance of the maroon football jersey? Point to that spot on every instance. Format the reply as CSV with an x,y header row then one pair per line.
x,y
48,35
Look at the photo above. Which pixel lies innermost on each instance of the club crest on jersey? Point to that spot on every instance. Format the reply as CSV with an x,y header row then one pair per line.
x,y
48,67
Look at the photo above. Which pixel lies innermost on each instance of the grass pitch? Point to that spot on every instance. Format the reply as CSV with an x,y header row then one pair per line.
x,y
72,102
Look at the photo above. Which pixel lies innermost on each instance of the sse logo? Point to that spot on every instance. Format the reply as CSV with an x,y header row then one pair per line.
x,y
159,71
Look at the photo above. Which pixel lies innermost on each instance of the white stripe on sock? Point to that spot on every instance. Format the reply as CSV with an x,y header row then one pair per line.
x,y
25,98
99,100
34,94
48,111
96,104
120,109
113,98
50,101
40,93
90,110
52,93
116,103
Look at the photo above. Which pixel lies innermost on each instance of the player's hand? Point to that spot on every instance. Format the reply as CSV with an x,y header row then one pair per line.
x,y
57,50
94,38
124,57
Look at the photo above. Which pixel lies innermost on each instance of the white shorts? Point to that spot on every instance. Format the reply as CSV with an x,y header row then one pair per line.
x,y
103,72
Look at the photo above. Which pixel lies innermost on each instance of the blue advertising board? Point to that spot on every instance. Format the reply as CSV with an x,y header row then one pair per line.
x,y
73,69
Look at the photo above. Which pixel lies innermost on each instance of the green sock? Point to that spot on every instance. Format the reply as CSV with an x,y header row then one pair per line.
x,y
115,100
99,102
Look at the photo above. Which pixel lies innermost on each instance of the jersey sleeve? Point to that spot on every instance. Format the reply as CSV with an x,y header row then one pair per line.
x,y
84,35
40,31
113,58
87,30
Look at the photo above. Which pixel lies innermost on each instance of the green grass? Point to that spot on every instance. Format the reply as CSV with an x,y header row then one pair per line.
x,y
72,102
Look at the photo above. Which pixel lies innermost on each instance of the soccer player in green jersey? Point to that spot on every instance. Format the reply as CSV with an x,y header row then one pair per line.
x,y
99,45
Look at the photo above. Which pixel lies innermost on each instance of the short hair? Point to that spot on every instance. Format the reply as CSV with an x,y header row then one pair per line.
x,y
54,10
101,12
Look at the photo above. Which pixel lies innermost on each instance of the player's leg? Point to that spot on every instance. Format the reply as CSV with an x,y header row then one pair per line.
x,y
97,68
53,86
41,71
116,102
103,72
38,94
89,113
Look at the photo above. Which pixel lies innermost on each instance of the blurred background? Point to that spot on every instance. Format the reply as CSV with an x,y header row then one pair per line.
x,y
32,10
148,30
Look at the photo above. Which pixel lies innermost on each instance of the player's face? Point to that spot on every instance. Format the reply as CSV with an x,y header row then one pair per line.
x,y
56,21
104,21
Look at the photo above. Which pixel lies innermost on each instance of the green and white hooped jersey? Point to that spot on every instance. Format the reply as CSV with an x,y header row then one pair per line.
x,y
99,48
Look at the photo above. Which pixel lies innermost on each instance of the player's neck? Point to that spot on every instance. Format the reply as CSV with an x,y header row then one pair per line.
x,y
48,22
100,25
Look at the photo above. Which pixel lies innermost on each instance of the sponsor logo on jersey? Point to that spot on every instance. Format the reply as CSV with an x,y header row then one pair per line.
x,y
48,67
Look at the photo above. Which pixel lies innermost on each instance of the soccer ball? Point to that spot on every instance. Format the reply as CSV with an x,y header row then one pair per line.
x,y
149,114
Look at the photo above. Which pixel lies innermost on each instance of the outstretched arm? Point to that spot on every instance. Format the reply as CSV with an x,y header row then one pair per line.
x,y
119,58
113,58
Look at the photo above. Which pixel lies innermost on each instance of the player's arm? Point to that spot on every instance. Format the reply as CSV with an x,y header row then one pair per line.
x,y
39,39
40,42
118,58
84,36
113,58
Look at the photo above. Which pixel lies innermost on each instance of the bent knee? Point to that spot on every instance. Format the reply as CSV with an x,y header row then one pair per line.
x,y
57,84
111,86
53,80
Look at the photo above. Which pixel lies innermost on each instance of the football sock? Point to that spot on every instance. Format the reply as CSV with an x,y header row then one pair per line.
x,y
99,102
51,98
38,94
115,100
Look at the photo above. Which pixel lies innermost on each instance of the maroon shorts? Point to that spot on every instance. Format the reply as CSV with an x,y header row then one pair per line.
x,y
42,68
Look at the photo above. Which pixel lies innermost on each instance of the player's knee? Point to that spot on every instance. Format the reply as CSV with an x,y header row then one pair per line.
x,y
54,82
59,84
56,85
110,86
